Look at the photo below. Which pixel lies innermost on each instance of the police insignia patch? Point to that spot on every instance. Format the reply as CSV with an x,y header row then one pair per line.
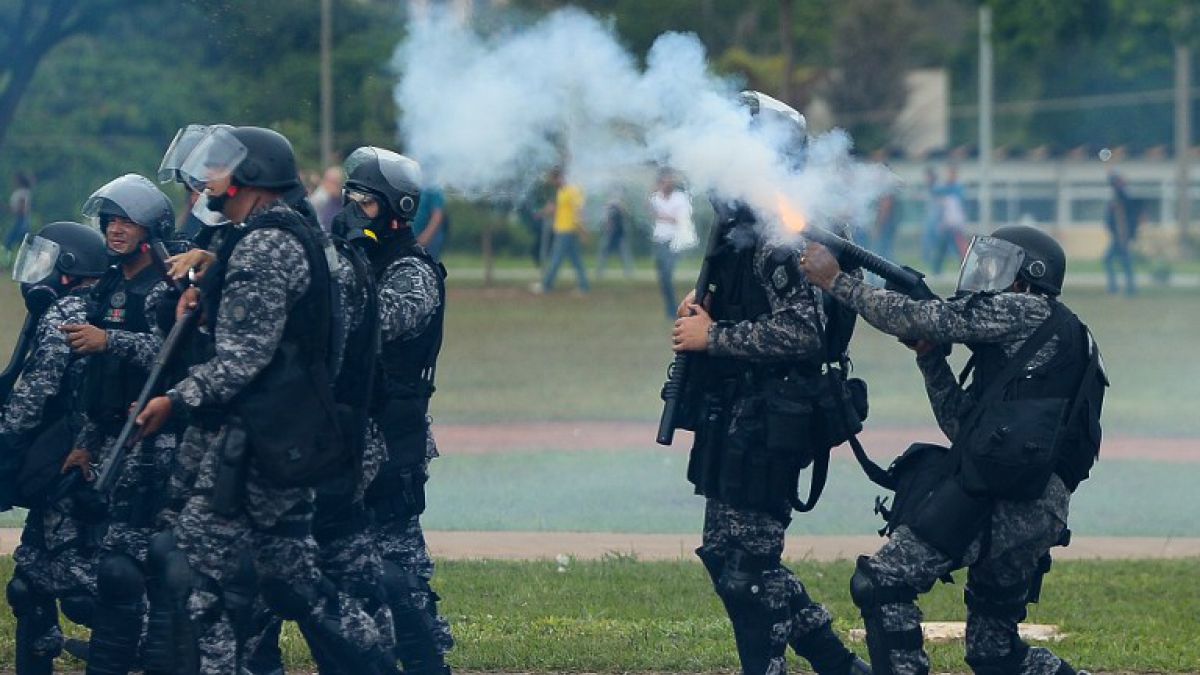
x,y
237,310
780,278
117,300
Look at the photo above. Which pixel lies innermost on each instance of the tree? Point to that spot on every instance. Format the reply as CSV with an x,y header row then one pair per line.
x,y
29,34
870,55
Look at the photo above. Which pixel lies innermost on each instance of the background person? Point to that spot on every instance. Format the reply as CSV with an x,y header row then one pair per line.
x,y
20,206
568,233
1121,218
673,232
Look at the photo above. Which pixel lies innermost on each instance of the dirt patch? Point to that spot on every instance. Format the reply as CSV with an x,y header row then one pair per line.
x,y
474,439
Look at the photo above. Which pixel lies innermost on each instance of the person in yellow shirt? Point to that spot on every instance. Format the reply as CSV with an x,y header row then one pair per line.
x,y
568,231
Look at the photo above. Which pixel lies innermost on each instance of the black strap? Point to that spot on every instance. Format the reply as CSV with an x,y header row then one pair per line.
x,y
877,474
820,473
1016,365
1093,367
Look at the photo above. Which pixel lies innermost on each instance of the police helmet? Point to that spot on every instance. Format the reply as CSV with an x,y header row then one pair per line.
x,y
390,177
249,156
780,119
1045,263
67,248
134,198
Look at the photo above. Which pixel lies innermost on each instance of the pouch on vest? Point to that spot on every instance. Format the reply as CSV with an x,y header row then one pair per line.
x,y
929,501
402,423
843,406
1009,452
1007,447
790,420
291,422
41,463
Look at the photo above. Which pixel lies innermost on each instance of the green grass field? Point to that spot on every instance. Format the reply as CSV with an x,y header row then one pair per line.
x,y
620,615
514,357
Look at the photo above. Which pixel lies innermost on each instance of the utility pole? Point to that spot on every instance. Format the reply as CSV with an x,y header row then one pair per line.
x,y
786,27
1183,139
985,119
326,83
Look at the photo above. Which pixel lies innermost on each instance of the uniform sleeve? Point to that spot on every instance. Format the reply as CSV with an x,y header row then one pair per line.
x,y
141,349
43,375
89,436
408,298
978,318
791,331
267,273
948,400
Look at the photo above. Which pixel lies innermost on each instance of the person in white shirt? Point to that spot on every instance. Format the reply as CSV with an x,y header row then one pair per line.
x,y
673,233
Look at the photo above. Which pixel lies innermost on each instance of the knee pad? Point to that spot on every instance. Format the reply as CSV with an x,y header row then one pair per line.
x,y
23,599
713,562
1007,603
868,594
295,602
285,600
1009,664
162,545
742,576
119,579
399,585
78,606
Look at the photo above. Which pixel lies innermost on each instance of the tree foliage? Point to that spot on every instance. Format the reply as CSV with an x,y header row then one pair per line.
x,y
90,89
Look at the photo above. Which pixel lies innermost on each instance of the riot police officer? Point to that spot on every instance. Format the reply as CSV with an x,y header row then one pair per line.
x,y
122,311
1025,432
56,557
382,192
262,427
761,335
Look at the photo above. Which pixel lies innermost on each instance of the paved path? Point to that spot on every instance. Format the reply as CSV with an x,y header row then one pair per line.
x,y
475,439
595,545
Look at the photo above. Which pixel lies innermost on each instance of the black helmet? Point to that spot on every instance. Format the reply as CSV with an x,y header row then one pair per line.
x,y
1045,263
136,198
250,156
59,248
391,177
782,119
270,161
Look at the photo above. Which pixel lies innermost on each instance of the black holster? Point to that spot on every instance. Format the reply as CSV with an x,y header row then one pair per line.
x,y
229,485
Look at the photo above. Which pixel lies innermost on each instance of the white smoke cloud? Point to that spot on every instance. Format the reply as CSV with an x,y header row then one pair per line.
x,y
494,112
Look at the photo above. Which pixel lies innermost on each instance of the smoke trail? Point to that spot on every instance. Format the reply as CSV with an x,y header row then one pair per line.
x,y
495,112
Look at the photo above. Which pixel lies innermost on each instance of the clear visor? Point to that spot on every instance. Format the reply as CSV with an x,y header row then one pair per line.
x,y
35,259
214,158
181,146
990,265
133,195
206,215
400,172
358,197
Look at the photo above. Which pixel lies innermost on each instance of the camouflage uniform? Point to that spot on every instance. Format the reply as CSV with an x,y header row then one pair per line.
x,y
1001,571
347,553
57,554
780,612
124,535
408,299
266,275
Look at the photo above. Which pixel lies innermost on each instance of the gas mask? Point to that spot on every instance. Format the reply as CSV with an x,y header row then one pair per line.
x,y
38,297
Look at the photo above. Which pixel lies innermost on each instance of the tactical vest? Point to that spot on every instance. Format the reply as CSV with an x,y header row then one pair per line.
x,y
756,467
404,379
1059,378
309,323
737,295
111,383
288,410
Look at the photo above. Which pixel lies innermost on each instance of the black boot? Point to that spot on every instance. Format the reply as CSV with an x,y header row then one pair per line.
x,y
113,648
